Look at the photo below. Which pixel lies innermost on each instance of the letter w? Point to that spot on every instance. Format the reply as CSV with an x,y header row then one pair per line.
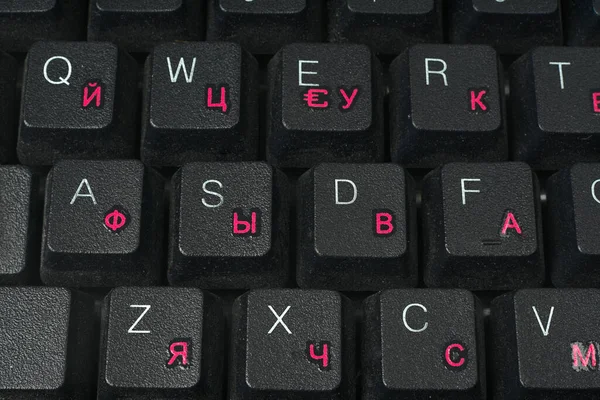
x,y
181,66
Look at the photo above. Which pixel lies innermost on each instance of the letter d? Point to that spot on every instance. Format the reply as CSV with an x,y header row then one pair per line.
x,y
337,192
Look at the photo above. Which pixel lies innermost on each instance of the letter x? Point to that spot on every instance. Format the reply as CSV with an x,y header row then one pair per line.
x,y
279,320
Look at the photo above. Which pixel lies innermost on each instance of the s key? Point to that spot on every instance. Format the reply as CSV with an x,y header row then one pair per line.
x,y
102,224
545,345
162,343
482,227
79,101
423,344
291,344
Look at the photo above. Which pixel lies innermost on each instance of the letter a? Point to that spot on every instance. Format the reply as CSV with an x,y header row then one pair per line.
x,y
89,193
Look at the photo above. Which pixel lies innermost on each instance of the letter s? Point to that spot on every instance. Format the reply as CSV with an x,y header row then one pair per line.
x,y
218,195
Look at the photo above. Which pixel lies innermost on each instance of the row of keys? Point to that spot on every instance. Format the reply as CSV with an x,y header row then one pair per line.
x,y
229,226
265,26
325,104
296,344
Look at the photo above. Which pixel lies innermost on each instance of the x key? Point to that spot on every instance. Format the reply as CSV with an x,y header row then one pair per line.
x,y
280,320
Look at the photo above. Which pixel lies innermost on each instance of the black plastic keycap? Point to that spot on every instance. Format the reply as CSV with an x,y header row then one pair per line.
x,y
264,26
573,199
555,104
23,22
356,227
19,225
79,101
325,104
512,27
423,344
229,226
200,104
387,27
103,224
482,227
447,104
8,108
291,344
138,25
49,344
582,20
545,345
161,343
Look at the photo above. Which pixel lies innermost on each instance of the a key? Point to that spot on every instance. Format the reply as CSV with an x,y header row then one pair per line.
x,y
512,27
24,22
482,227
325,105
292,344
79,101
229,226
49,344
263,27
19,225
555,104
545,345
200,104
388,27
423,344
573,199
582,19
138,25
356,227
103,224
8,107
161,343
447,104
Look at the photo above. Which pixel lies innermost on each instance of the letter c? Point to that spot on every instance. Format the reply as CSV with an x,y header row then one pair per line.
x,y
422,307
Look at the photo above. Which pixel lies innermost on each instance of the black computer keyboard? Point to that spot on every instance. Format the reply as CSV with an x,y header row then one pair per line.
x,y
299,199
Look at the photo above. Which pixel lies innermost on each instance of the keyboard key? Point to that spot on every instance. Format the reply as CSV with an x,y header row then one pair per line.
x,y
161,343
447,104
49,343
573,205
24,22
555,106
9,107
200,104
325,105
137,25
103,224
357,227
19,220
482,227
79,101
545,344
387,27
232,219
423,344
512,27
582,19
292,344
263,27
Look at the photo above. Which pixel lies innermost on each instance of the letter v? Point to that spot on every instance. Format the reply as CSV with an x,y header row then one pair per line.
x,y
545,331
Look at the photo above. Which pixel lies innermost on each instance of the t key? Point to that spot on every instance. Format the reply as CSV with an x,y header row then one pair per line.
x,y
555,102
292,344
545,345
79,101
49,344
447,104
200,104
356,227
233,220
161,343
423,344
512,27
482,227
137,25
325,105
103,224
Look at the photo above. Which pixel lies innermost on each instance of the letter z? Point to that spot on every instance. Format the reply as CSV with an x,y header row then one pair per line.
x,y
137,321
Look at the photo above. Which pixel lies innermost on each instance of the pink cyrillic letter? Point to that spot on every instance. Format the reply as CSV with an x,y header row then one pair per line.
x,y
179,351
510,222
383,223
448,355
477,100
596,101
95,95
321,359
222,104
349,99
588,363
